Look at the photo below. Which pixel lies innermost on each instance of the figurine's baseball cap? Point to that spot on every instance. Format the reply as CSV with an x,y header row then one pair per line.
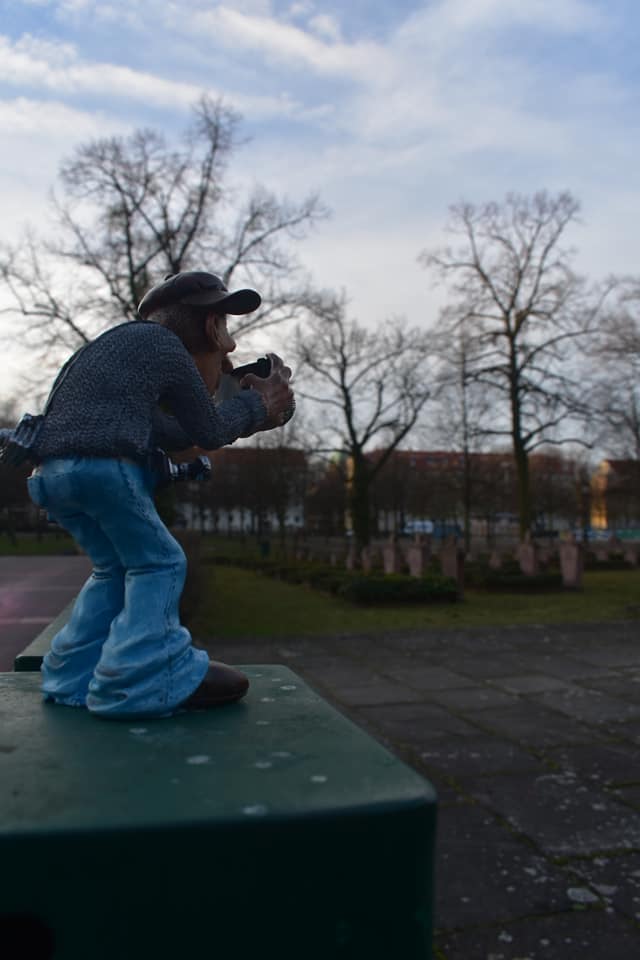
x,y
200,289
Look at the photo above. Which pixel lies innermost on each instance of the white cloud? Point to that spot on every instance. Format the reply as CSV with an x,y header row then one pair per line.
x,y
57,68
287,43
570,16
326,26
394,129
41,120
36,136
301,9
434,77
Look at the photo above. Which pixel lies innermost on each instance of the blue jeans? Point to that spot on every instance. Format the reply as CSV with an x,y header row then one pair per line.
x,y
123,652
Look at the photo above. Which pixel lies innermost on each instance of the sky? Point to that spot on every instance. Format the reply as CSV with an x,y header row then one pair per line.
x,y
391,110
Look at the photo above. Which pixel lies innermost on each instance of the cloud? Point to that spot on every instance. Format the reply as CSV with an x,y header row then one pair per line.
x,y
326,26
442,104
464,16
436,29
57,68
450,70
42,120
47,131
288,43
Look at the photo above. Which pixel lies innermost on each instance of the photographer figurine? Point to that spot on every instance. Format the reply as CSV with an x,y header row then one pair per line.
x,y
139,389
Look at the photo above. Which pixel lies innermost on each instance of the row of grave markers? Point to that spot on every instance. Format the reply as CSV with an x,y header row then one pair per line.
x,y
416,555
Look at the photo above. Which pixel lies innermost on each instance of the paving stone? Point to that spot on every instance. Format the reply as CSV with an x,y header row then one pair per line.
x,y
557,664
411,642
428,678
414,723
473,699
354,643
529,683
532,724
448,793
592,634
625,685
603,764
335,672
478,643
461,757
629,730
484,668
589,935
376,690
629,795
615,879
610,655
562,815
485,875
305,647
589,706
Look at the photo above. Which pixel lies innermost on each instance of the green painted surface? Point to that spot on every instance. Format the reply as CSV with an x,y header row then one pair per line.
x,y
281,752
275,825
30,658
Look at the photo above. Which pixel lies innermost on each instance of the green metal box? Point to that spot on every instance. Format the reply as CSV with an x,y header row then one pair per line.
x,y
270,828
30,658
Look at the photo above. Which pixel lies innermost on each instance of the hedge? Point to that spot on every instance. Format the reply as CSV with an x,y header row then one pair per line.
x,y
351,585
497,581
615,561
397,588
378,588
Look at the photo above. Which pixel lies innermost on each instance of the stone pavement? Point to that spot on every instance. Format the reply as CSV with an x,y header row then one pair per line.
x,y
531,737
33,591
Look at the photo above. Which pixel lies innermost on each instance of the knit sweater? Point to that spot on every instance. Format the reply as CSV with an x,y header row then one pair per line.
x,y
108,405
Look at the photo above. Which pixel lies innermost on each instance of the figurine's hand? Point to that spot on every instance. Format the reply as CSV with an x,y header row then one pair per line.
x,y
275,391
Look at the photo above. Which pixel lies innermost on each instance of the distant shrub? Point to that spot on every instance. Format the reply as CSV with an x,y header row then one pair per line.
x,y
498,581
397,588
615,561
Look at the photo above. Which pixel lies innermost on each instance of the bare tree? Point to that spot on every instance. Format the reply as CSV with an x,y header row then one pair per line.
x,y
370,386
279,475
616,373
464,409
131,210
325,503
526,312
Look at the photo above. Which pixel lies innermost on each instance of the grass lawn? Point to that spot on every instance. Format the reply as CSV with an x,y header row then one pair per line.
x,y
239,602
28,545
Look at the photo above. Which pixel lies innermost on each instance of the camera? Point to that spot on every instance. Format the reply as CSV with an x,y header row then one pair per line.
x,y
260,368
169,472
230,382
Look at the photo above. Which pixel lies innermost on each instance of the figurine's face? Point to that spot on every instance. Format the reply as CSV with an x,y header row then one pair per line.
x,y
226,343
217,361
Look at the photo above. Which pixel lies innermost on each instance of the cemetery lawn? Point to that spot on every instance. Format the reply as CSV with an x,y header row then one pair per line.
x,y
28,545
237,602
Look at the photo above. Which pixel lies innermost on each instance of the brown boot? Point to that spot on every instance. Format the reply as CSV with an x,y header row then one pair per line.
x,y
221,684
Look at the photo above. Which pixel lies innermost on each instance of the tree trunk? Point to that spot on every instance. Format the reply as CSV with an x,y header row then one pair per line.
x,y
520,455
523,487
359,509
466,498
